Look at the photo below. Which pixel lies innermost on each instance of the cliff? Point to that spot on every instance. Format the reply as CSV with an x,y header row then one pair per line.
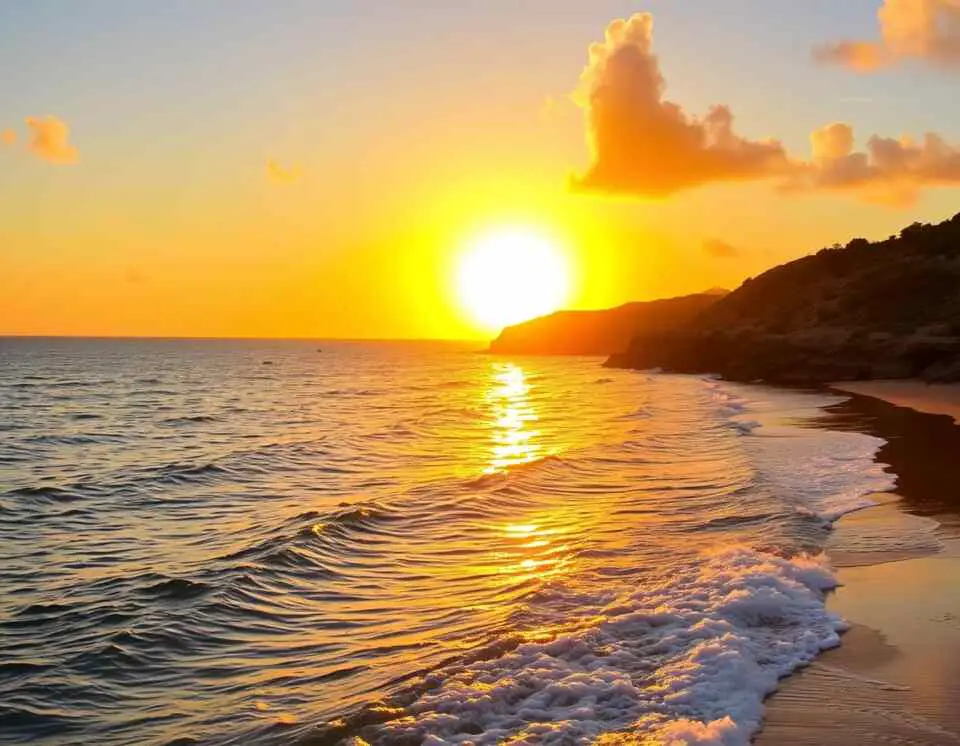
x,y
600,332
885,309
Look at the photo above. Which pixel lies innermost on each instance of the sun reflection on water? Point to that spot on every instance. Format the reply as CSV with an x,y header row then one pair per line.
x,y
514,441
533,550
530,547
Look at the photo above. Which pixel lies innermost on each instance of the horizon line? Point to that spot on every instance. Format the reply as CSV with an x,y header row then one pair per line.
x,y
175,337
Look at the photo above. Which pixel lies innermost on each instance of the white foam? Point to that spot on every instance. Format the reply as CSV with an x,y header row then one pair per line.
x,y
687,660
825,473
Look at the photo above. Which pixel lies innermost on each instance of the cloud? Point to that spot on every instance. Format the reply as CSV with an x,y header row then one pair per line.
x,y
862,56
49,140
645,146
283,175
927,30
889,171
8,137
720,249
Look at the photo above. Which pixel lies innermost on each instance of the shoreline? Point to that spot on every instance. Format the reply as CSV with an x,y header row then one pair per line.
x,y
896,675
929,398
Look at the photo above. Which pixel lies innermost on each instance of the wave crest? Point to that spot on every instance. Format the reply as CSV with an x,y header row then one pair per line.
x,y
694,654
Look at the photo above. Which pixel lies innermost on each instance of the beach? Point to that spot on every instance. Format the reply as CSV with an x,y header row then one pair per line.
x,y
894,678
932,398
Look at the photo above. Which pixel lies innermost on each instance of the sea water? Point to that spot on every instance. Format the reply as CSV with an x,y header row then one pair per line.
x,y
396,543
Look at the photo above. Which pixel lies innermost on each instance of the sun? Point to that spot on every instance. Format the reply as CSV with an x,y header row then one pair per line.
x,y
510,275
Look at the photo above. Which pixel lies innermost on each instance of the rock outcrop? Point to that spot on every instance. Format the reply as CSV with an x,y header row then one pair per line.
x,y
600,332
886,309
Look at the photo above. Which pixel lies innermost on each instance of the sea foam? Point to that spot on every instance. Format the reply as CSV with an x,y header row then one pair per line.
x,y
686,660
825,473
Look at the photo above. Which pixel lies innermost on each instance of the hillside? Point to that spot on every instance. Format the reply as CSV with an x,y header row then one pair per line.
x,y
600,332
885,309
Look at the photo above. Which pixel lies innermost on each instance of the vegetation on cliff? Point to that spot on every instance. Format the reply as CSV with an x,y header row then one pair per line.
x,y
884,309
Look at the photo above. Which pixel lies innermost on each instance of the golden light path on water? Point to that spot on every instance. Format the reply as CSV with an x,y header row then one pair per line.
x,y
515,440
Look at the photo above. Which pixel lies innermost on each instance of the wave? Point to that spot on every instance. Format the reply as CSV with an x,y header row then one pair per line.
x,y
351,392
188,420
689,659
498,476
14,669
190,472
39,721
289,546
46,493
146,486
441,385
44,610
73,440
825,473
77,384
176,589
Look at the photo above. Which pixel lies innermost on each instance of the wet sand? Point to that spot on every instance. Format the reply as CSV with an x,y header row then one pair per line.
x,y
932,398
896,677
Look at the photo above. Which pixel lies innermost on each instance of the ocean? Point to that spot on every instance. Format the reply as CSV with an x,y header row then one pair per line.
x,y
288,542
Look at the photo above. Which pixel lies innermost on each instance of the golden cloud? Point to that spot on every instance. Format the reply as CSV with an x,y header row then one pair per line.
x,y
49,139
645,146
888,171
8,137
927,30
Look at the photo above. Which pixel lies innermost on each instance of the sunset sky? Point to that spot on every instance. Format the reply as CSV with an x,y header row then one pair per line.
x,y
315,168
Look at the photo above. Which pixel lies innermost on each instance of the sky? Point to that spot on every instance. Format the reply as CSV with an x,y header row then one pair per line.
x,y
309,168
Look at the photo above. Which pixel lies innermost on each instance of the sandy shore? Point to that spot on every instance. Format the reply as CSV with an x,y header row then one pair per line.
x,y
896,677
932,398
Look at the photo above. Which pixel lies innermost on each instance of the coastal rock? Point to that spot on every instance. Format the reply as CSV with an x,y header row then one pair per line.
x,y
600,332
889,309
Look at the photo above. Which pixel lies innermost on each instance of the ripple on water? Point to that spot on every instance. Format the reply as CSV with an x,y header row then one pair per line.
x,y
392,540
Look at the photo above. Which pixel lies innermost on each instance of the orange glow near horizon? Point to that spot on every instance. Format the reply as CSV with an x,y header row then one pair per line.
x,y
348,200
510,275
